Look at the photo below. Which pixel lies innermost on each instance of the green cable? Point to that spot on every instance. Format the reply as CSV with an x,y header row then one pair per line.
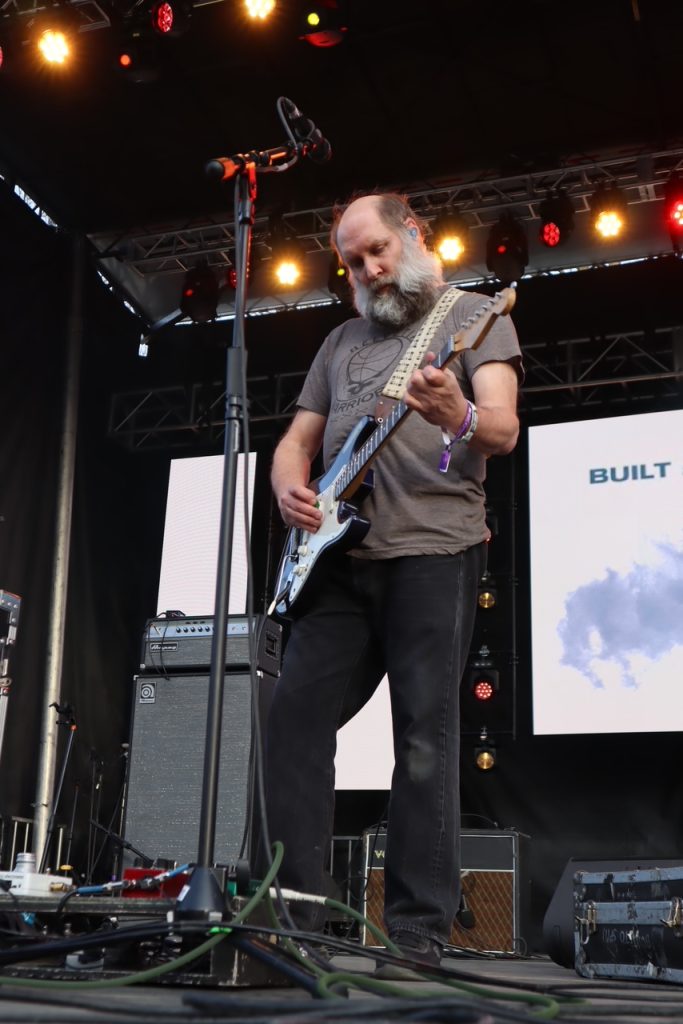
x,y
549,1007
217,935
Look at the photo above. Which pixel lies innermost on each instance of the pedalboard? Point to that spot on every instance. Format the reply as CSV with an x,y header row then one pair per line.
x,y
22,883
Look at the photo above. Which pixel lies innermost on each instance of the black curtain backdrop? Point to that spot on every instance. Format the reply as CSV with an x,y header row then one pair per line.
x,y
590,797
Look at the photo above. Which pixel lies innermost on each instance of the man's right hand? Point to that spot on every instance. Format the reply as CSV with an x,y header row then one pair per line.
x,y
298,508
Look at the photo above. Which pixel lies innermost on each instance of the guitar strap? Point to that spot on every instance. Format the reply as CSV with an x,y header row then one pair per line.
x,y
414,354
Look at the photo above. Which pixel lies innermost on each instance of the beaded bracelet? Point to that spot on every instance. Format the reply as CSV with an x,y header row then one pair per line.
x,y
464,435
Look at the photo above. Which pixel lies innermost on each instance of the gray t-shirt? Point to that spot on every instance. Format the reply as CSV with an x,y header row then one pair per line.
x,y
413,509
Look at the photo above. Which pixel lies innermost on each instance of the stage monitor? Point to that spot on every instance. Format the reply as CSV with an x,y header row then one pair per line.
x,y
606,549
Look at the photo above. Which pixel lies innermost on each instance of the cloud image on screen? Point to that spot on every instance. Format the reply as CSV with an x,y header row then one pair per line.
x,y
622,616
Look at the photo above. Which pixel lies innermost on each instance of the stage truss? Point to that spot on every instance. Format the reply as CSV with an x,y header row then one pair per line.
x,y
614,371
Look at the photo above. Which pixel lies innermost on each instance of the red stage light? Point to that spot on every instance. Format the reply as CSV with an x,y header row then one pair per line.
x,y
550,235
673,210
163,18
482,689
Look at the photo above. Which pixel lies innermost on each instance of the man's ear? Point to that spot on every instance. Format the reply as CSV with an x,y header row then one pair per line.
x,y
412,227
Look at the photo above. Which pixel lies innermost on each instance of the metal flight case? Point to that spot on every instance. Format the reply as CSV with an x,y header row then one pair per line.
x,y
629,924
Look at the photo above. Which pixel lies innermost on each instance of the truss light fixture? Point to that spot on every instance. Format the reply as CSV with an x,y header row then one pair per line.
x,y
287,253
483,678
485,754
138,56
507,250
323,24
449,232
608,209
287,266
557,219
51,36
163,17
259,10
55,46
199,295
673,210
170,17
487,597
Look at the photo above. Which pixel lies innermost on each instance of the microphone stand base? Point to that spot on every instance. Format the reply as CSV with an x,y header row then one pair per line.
x,y
203,899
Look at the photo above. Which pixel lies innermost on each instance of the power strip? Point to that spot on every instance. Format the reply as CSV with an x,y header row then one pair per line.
x,y
34,884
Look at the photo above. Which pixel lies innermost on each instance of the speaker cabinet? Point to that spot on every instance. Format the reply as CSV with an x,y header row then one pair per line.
x,y
166,765
493,884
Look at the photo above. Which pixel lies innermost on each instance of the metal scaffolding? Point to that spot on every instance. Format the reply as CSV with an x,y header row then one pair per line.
x,y
166,250
618,370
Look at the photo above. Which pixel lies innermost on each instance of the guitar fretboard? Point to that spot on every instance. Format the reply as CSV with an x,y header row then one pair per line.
x,y
359,461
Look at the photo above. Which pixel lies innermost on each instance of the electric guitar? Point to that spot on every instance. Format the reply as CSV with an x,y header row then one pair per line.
x,y
349,476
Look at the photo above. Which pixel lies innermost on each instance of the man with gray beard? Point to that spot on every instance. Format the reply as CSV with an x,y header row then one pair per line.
x,y
402,602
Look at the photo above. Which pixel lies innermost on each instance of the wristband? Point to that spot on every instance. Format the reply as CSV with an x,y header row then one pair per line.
x,y
463,435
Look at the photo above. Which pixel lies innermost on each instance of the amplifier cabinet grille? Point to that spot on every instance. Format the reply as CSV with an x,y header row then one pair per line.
x,y
492,882
166,766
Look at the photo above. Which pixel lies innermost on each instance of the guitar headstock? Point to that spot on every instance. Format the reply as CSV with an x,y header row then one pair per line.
x,y
477,326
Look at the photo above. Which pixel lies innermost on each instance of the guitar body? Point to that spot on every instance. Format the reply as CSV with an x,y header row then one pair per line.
x,y
342,526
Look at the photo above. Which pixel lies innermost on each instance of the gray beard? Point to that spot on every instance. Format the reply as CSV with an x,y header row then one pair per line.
x,y
407,295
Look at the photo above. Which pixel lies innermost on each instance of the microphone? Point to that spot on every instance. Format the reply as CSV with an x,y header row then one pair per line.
x,y
222,168
305,132
465,915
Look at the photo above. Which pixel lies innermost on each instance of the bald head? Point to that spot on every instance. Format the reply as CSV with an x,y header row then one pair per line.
x,y
394,278
390,208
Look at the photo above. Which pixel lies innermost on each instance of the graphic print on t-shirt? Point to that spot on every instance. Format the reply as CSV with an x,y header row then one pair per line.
x,y
366,371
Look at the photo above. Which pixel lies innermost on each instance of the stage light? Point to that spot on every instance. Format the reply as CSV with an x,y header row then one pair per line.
x,y
485,754
287,253
138,58
323,24
673,210
54,46
557,219
338,280
449,232
483,678
488,593
199,295
608,208
163,17
507,251
259,9
287,269
170,19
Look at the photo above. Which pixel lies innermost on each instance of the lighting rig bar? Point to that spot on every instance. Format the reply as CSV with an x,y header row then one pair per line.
x,y
91,15
642,177
625,368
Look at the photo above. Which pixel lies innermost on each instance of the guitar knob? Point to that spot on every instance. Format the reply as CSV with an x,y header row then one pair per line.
x,y
300,570
303,550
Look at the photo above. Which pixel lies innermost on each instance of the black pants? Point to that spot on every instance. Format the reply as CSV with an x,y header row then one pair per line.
x,y
413,619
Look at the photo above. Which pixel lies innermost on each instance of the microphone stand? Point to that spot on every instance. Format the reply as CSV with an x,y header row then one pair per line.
x,y
65,716
203,898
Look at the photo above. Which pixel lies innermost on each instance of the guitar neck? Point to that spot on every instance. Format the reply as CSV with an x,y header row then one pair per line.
x,y
470,336
355,469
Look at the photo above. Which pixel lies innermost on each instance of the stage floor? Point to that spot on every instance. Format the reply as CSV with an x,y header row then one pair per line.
x,y
507,989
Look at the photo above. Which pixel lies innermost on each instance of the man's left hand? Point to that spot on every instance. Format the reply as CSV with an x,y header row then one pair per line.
x,y
436,395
